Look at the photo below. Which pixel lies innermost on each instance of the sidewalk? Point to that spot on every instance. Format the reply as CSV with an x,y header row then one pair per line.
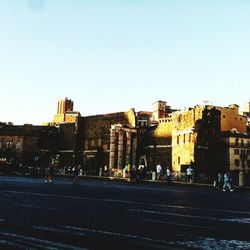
x,y
127,180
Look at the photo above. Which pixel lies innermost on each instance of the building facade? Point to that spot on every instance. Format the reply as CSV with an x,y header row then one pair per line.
x,y
165,136
236,150
161,110
195,135
123,146
28,145
108,140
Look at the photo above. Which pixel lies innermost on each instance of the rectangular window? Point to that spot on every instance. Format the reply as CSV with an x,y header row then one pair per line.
x,y
237,162
99,142
242,152
184,138
236,152
243,163
9,144
178,139
86,145
105,147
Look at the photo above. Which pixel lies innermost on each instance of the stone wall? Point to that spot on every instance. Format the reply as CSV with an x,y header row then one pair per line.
x,y
96,137
27,141
157,145
96,129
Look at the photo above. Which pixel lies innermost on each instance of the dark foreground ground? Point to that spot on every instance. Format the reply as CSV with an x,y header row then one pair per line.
x,y
112,215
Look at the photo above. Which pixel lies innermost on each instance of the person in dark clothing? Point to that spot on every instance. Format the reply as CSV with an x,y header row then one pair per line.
x,y
76,172
168,173
46,179
133,174
49,173
219,182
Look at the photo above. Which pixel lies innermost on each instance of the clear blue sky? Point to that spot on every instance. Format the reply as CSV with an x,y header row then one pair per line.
x,y
111,55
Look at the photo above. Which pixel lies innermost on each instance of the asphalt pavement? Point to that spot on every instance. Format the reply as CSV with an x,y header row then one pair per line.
x,y
106,214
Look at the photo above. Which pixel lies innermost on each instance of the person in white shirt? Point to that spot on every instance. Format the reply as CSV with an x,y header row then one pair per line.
x,y
189,174
168,172
158,171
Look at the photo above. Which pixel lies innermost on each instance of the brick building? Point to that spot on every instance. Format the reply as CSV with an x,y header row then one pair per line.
x,y
172,138
105,138
196,132
98,140
27,144
65,112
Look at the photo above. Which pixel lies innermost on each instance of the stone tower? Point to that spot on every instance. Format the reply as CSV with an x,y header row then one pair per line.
x,y
64,106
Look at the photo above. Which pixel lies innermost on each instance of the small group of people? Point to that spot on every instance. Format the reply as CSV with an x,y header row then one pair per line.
x,y
163,173
76,171
224,181
136,173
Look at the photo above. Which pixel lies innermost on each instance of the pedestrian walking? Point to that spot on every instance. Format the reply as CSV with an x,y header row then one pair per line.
x,y
219,181
227,182
189,173
168,172
76,172
133,174
141,171
158,171
46,178
105,170
49,173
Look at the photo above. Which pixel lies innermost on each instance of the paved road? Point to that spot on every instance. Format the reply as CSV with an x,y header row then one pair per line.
x,y
111,215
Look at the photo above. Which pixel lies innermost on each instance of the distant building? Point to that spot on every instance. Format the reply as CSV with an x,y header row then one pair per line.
x,y
157,147
27,144
98,140
110,139
161,110
195,135
65,112
235,150
245,110
143,118
231,118
201,136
